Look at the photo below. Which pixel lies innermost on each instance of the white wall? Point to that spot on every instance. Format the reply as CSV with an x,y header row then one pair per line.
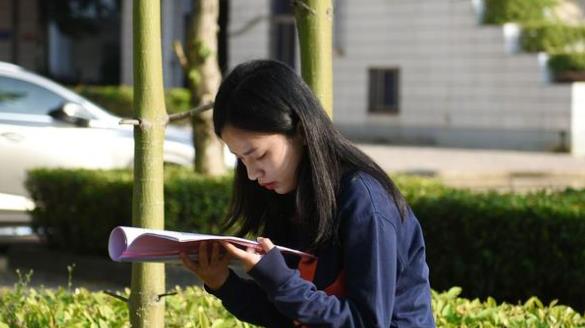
x,y
578,120
459,85
173,28
249,28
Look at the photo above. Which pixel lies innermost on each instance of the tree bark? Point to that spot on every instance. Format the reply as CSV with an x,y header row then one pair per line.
x,y
204,78
314,20
148,280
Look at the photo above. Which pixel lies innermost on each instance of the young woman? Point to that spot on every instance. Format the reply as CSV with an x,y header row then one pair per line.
x,y
299,183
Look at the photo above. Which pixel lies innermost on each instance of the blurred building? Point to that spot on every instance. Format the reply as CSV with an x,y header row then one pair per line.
x,y
427,72
405,72
88,41
69,41
22,36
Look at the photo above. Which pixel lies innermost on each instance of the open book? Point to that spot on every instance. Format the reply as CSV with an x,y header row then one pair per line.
x,y
129,244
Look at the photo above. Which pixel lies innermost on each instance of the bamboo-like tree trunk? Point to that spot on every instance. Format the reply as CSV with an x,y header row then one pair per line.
x,y
314,20
204,78
148,280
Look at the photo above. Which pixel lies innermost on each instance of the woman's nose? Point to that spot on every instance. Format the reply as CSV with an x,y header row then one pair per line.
x,y
254,172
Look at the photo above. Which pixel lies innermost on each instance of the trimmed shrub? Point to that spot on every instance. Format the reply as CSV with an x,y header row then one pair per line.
x,y
193,308
567,63
452,311
503,11
27,307
564,45
77,209
119,99
552,38
508,246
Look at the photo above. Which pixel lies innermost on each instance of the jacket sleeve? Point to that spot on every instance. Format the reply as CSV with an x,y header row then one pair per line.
x,y
247,302
370,264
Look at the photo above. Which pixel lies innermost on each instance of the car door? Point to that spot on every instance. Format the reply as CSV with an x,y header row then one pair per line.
x,y
30,138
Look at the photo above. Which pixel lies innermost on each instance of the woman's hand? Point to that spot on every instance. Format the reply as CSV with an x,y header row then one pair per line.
x,y
250,257
212,268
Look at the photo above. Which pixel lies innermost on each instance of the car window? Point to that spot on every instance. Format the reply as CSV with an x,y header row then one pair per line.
x,y
18,96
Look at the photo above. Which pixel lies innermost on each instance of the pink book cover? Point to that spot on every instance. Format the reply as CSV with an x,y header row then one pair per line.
x,y
130,244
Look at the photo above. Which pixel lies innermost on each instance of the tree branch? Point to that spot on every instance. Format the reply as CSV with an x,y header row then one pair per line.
x,y
285,18
180,53
302,3
114,295
192,112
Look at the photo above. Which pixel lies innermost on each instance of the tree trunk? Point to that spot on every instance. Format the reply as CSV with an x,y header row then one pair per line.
x,y
148,280
204,78
314,20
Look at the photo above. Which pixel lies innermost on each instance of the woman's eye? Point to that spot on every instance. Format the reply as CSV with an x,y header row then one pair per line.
x,y
261,156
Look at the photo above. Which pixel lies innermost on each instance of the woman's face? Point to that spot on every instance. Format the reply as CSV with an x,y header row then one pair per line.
x,y
271,159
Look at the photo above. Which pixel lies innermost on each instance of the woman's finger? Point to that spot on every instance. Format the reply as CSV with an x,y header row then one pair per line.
x,y
215,253
233,250
266,244
203,257
188,262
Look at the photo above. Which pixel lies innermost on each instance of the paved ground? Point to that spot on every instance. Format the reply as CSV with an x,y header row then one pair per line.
x,y
483,169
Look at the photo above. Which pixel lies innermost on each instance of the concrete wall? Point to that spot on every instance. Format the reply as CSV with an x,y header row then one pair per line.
x,y
249,31
173,14
28,51
459,85
578,120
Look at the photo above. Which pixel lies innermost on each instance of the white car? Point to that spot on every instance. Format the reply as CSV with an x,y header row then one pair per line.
x,y
43,124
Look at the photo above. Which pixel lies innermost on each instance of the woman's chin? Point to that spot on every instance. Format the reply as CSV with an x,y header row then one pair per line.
x,y
283,191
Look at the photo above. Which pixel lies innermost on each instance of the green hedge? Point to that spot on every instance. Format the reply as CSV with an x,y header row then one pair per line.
x,y
118,99
509,246
24,307
504,245
77,209
567,62
503,11
550,37
563,43
193,308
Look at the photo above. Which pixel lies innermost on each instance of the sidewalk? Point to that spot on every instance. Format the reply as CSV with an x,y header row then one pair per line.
x,y
483,169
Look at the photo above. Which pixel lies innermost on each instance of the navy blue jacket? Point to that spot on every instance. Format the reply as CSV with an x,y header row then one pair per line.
x,y
382,257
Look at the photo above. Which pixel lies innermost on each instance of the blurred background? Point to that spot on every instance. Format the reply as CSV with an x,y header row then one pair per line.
x,y
484,100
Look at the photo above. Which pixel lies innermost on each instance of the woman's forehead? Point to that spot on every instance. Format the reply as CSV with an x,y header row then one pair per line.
x,y
243,142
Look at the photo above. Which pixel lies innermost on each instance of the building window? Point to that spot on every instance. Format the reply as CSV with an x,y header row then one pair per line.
x,y
384,87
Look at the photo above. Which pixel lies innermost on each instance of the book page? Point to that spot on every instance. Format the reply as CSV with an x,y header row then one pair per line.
x,y
138,244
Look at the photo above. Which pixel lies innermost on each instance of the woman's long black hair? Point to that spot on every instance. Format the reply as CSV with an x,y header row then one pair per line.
x,y
268,96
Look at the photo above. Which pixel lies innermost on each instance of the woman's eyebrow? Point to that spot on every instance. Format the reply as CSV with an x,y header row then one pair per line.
x,y
249,151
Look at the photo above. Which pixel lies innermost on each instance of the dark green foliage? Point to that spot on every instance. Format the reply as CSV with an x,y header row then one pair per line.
x,y
118,99
194,308
567,62
77,209
563,43
550,37
508,246
503,11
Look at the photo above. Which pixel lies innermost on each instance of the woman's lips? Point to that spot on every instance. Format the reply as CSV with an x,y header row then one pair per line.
x,y
269,185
